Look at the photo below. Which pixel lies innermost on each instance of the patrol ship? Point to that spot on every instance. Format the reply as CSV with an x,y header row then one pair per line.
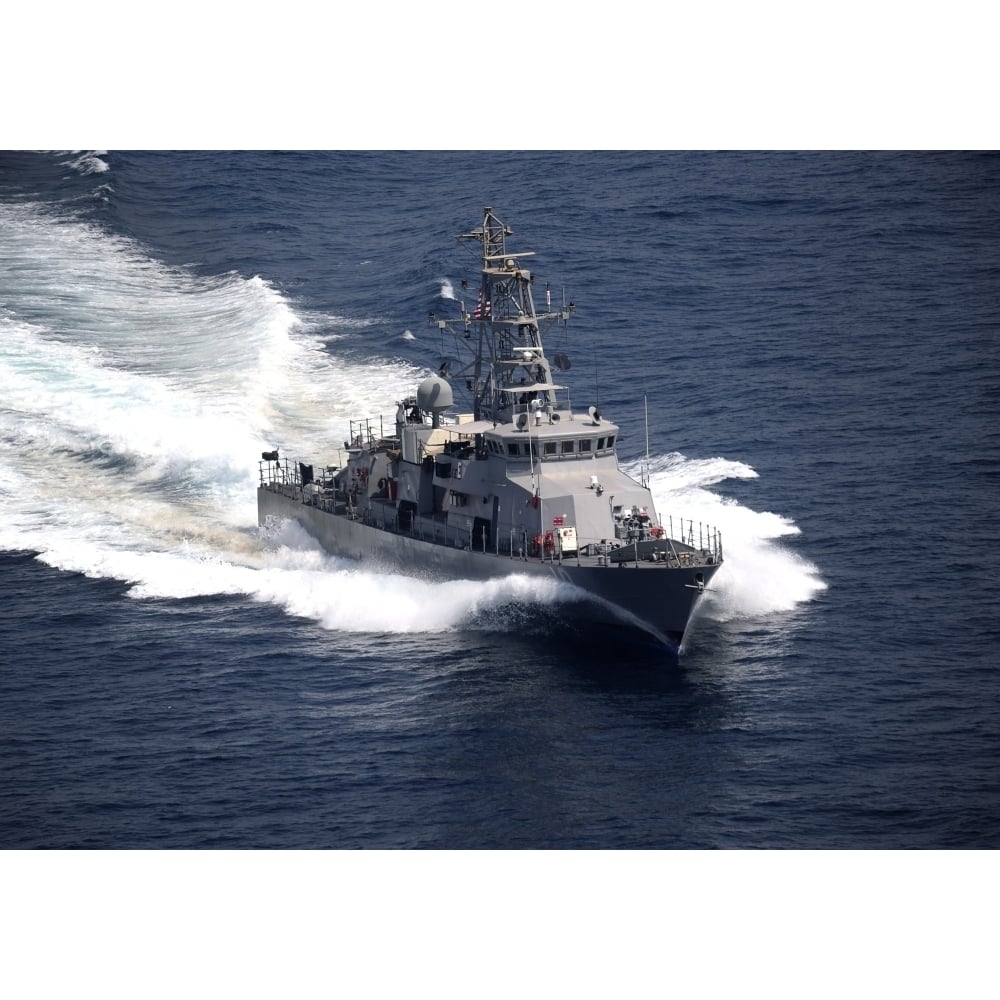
x,y
520,483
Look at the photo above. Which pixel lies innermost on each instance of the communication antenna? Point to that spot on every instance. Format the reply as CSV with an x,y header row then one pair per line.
x,y
531,455
645,410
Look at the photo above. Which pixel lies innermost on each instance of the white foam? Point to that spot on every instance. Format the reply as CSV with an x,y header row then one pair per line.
x,y
304,581
349,599
295,574
87,162
759,574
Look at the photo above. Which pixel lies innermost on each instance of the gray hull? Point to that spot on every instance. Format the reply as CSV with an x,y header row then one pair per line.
x,y
651,600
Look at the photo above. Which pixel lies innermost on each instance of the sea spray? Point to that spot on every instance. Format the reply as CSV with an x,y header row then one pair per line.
x,y
759,574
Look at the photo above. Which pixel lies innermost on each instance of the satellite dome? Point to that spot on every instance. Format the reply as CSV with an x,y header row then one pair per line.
x,y
434,395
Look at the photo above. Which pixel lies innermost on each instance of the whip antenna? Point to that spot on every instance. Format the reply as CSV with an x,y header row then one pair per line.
x,y
645,409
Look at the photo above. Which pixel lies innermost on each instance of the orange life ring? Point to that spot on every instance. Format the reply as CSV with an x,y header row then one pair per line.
x,y
657,532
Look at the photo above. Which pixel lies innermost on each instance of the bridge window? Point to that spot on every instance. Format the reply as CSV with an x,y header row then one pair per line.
x,y
568,447
585,445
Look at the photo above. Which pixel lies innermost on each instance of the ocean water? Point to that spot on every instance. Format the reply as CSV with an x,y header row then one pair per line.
x,y
817,338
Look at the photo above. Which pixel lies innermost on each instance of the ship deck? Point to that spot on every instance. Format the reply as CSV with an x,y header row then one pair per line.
x,y
383,515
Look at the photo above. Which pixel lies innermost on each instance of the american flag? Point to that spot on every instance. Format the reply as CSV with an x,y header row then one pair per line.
x,y
482,310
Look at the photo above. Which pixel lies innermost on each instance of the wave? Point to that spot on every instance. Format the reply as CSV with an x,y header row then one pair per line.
x,y
87,162
760,574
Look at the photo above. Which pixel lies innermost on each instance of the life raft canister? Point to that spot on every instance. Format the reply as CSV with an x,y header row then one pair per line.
x,y
657,531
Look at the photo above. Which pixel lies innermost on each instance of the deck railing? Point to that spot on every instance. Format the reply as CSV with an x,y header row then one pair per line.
x,y
677,542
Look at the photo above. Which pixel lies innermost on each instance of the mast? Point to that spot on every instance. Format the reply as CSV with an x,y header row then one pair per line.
x,y
509,374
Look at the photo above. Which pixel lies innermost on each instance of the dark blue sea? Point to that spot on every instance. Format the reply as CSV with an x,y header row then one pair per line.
x,y
816,337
